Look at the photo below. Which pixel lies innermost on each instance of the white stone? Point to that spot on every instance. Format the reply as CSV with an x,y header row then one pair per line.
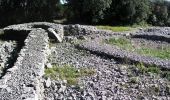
x,y
48,65
2,64
48,82
59,36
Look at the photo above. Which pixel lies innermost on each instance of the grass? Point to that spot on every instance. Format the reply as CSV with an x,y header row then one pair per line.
x,y
153,69
67,72
116,28
163,53
120,42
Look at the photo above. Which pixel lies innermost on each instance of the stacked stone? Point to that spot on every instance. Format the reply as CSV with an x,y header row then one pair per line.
x,y
111,51
55,31
79,30
6,50
160,34
22,81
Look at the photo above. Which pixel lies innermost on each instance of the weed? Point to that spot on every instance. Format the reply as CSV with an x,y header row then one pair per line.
x,y
69,73
153,69
141,68
134,80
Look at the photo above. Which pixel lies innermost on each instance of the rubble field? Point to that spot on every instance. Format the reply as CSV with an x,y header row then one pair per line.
x,y
88,64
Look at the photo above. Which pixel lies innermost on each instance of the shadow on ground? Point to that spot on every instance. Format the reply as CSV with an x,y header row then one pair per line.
x,y
19,37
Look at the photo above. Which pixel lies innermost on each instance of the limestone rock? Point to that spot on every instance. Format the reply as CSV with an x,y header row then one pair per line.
x,y
48,65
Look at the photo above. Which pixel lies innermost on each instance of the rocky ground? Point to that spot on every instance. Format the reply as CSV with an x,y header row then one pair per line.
x,y
112,80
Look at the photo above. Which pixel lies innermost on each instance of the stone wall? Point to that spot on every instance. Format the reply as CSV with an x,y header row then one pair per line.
x,y
79,30
159,34
22,81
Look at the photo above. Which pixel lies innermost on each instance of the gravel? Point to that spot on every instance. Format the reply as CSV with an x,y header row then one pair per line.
x,y
114,52
112,80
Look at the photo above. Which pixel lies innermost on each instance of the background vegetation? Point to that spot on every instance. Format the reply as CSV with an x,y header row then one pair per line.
x,y
101,12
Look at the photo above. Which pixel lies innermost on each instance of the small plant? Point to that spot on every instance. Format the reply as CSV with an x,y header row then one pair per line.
x,y
150,68
141,68
134,80
153,69
67,72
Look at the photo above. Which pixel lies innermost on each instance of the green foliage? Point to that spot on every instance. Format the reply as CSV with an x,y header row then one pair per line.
x,y
141,68
153,69
127,11
88,11
69,73
160,12
116,28
19,11
112,12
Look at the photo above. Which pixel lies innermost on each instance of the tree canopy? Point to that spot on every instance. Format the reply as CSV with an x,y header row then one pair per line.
x,y
113,12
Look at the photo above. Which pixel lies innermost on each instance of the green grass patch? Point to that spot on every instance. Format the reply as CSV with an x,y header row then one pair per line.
x,y
153,69
123,43
116,28
120,42
163,53
69,73
150,68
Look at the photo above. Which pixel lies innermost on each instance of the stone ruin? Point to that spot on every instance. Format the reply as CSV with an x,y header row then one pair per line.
x,y
23,81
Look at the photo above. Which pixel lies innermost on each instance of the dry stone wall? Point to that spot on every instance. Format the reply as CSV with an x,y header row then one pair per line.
x,y
159,34
111,51
24,80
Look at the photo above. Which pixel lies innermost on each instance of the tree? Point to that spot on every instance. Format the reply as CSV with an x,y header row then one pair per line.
x,y
19,11
89,11
128,11
159,14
